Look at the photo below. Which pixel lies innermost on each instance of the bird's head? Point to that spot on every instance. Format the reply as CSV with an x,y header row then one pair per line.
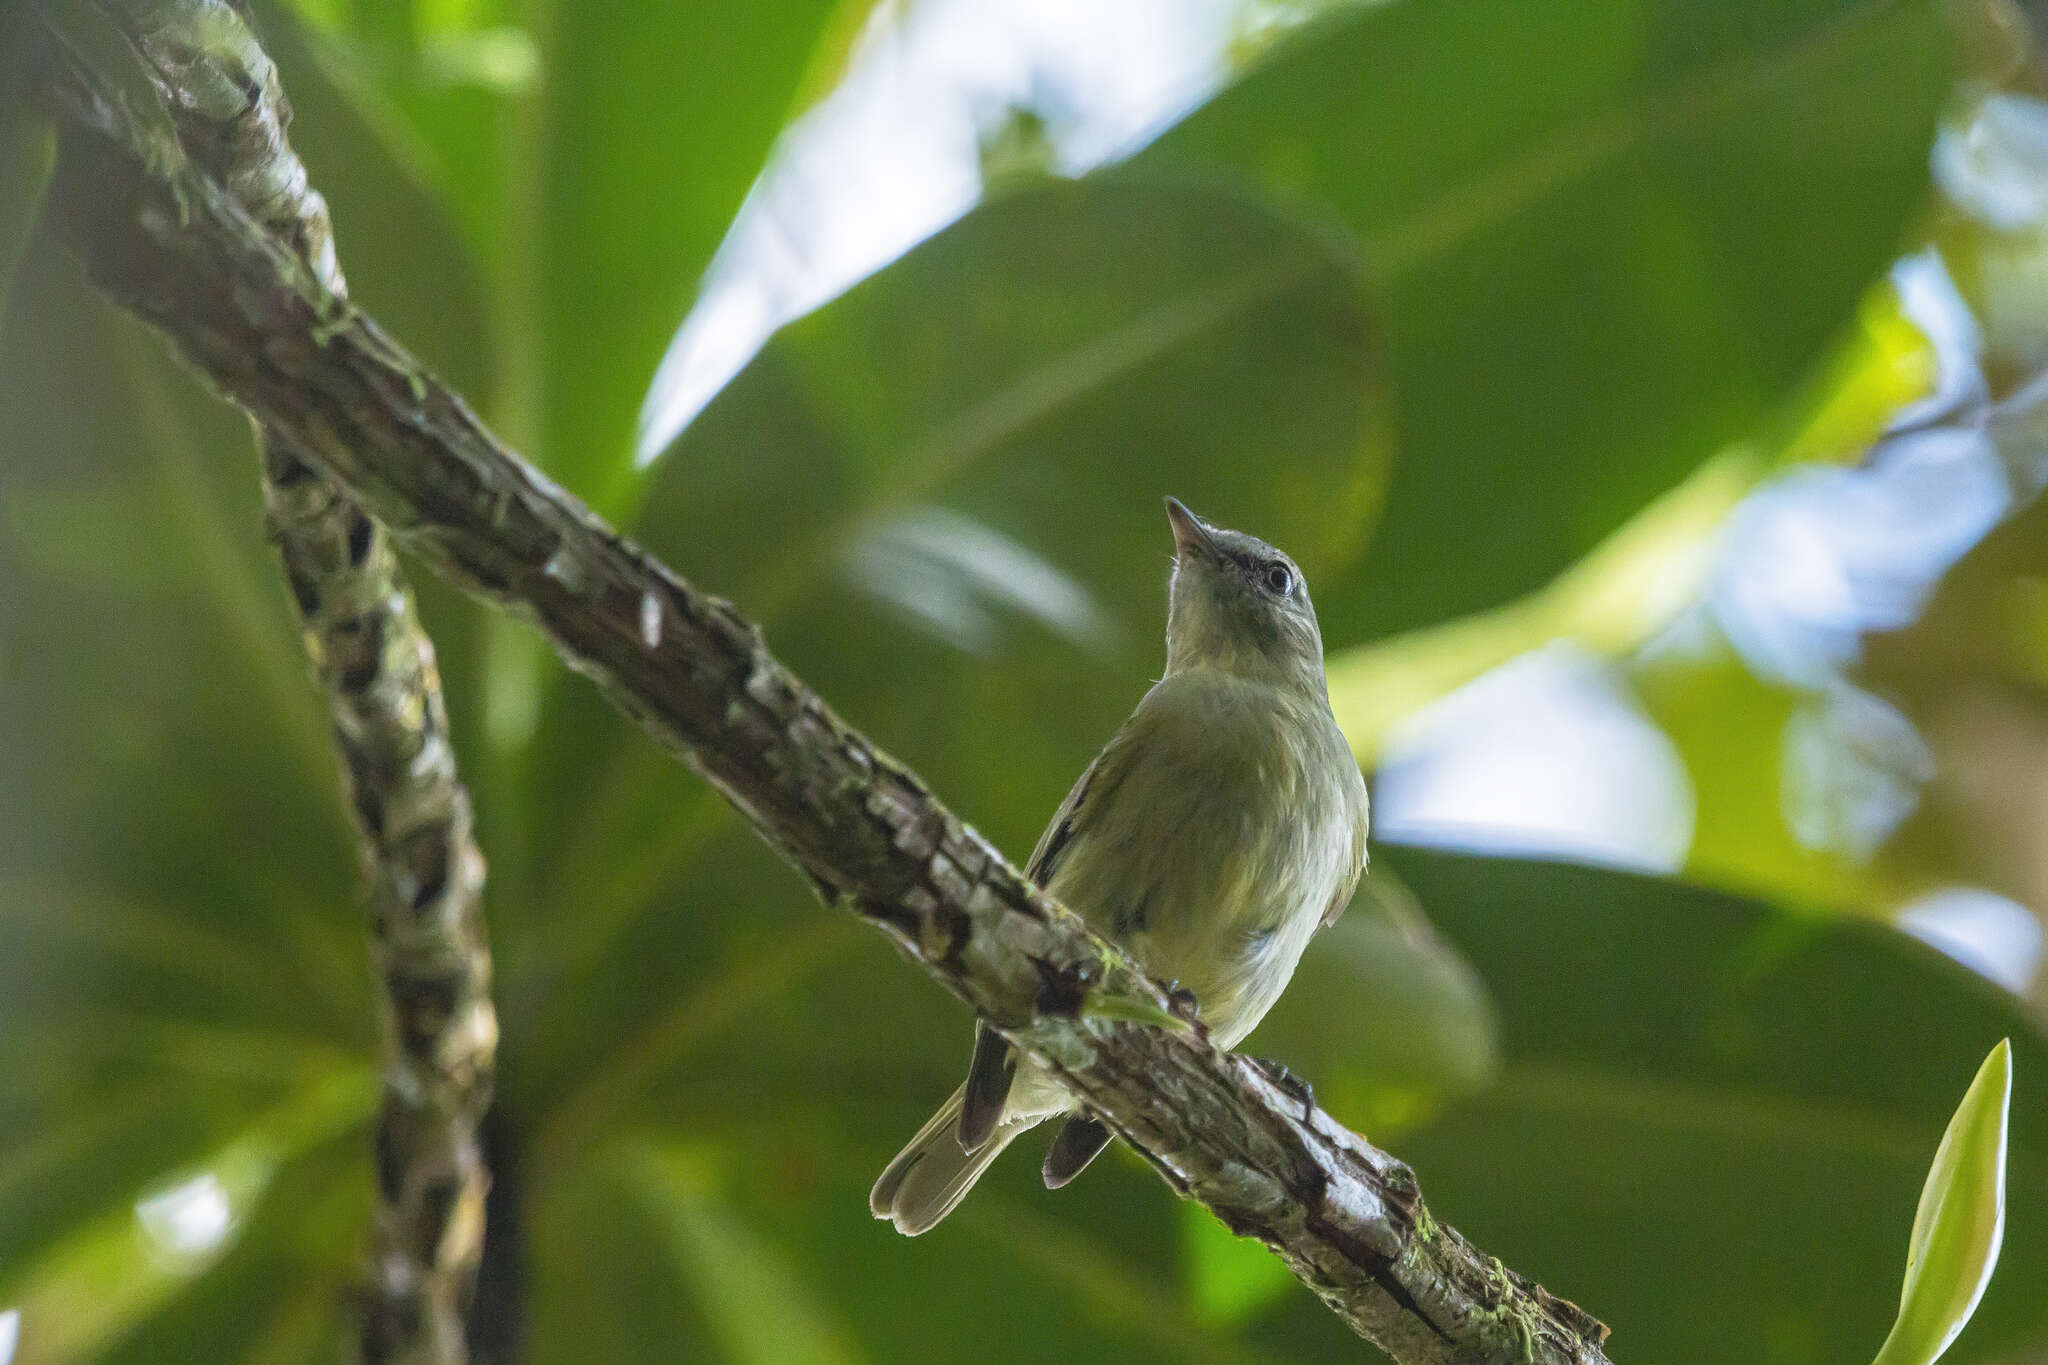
x,y
1239,606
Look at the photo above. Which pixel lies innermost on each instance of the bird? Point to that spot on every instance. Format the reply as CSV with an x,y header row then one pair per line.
x,y
1222,825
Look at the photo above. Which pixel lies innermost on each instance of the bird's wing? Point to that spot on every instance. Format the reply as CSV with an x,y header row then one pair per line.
x,y
1045,859
1360,824
994,1067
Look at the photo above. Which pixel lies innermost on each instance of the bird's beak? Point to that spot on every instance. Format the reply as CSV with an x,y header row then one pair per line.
x,y
1188,531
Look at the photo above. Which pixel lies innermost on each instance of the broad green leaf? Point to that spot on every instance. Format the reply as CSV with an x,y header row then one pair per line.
x,y
657,119
98,425
1959,1224
1384,1016
1604,239
1010,1274
1616,599
1687,1074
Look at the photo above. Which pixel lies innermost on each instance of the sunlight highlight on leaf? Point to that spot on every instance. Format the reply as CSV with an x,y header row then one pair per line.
x,y
1960,1222
1612,600
111,1273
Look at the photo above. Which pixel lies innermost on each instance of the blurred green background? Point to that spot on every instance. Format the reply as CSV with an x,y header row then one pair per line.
x,y
1648,390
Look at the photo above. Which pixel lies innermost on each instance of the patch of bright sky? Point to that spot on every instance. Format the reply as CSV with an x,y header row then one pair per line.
x,y
1996,937
1546,756
187,1221
1992,165
1817,558
893,154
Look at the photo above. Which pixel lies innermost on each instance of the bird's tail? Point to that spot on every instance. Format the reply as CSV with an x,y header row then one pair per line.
x,y
931,1174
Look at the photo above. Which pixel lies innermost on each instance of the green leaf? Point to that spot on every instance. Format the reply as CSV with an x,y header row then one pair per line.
x,y
285,1290
1960,1222
1231,1279
1604,240
1384,1016
1691,1076
658,119
644,1254
128,1263
761,1310
181,948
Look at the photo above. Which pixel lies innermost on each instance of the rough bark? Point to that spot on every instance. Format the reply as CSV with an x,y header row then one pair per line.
x,y
207,93
168,243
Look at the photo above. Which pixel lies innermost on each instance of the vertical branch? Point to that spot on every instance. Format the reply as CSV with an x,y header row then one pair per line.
x,y
427,935
218,93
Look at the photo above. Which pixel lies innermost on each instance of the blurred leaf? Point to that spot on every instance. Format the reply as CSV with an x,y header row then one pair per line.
x,y
1959,1224
1734,731
1113,333
1883,364
613,1285
1231,1279
126,1264
28,153
1689,1075
838,39
658,118
180,948
283,1291
1604,239
761,1310
1384,1016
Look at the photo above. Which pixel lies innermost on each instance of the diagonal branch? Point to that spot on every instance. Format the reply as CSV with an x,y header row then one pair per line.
x,y
202,79
170,244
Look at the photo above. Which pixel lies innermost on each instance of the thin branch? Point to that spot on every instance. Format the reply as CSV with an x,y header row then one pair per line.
x,y
168,243
220,93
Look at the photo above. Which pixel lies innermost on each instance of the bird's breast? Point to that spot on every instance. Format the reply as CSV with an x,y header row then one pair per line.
x,y
1215,856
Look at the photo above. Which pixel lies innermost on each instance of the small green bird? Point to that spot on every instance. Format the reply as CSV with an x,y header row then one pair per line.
x,y
1222,825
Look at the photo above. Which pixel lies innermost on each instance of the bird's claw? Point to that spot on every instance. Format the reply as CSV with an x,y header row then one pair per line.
x,y
1182,1000
1295,1088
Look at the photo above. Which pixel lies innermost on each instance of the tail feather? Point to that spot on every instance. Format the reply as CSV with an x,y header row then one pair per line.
x,y
931,1175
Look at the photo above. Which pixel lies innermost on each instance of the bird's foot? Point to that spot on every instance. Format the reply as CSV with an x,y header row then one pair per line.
x,y
1295,1088
1182,1000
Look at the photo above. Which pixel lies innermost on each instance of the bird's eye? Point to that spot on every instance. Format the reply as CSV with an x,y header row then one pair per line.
x,y
1279,579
